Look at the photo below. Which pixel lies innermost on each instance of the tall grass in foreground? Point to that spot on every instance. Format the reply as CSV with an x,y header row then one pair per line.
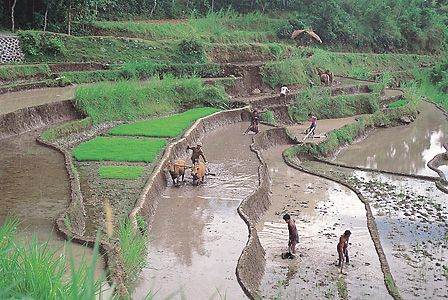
x,y
129,100
33,270
132,243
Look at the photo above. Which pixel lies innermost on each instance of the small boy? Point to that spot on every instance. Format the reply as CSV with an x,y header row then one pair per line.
x,y
313,125
343,247
254,123
293,233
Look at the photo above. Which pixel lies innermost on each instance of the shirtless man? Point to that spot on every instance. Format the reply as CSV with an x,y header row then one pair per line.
x,y
293,233
343,247
197,152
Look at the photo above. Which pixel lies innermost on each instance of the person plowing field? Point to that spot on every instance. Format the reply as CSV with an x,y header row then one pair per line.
x,y
197,153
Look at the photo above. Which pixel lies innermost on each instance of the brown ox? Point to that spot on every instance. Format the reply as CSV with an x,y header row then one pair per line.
x,y
176,170
198,172
330,75
324,78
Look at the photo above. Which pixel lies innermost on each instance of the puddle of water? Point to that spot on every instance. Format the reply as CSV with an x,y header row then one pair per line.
x,y
14,101
405,149
323,211
197,233
34,184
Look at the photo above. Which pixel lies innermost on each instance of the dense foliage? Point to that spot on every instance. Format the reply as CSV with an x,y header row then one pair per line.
x,y
379,25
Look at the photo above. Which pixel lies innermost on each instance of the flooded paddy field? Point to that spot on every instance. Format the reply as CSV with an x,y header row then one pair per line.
x,y
34,185
323,210
197,234
405,149
411,216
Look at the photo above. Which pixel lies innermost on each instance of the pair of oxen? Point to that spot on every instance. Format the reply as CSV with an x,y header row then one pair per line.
x,y
178,168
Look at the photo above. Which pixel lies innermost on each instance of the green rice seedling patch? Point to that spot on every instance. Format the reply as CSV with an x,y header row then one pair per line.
x,y
119,149
164,127
121,172
397,103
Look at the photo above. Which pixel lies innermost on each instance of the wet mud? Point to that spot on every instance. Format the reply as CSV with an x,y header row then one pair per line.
x,y
18,100
411,218
197,234
323,211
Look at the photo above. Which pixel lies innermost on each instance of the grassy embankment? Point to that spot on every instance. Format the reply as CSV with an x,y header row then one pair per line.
x,y
348,133
236,35
34,270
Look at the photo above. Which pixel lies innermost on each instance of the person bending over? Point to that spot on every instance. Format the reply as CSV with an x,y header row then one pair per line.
x,y
343,247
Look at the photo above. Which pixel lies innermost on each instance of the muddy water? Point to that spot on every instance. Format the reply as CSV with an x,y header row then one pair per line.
x,y
197,233
35,185
323,211
14,101
405,149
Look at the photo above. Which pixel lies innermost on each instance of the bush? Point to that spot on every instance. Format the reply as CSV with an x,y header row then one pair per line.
x,y
190,51
36,43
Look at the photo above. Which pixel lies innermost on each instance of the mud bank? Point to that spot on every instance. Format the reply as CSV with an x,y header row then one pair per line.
x,y
250,269
26,119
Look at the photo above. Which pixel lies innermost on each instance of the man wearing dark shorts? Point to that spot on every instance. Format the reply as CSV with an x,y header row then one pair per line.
x,y
293,233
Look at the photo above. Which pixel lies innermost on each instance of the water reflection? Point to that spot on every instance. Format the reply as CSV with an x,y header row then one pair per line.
x,y
405,149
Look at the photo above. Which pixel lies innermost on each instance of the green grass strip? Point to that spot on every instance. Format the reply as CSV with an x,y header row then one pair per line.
x,y
119,149
121,172
397,103
164,127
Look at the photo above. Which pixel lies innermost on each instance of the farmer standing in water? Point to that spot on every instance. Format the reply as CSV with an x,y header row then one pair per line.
x,y
254,123
293,233
343,247
197,152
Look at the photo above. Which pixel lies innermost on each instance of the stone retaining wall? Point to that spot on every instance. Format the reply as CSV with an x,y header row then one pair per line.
x,y
11,50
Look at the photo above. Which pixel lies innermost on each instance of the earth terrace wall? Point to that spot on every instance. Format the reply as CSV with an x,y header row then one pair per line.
x,y
30,118
250,267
